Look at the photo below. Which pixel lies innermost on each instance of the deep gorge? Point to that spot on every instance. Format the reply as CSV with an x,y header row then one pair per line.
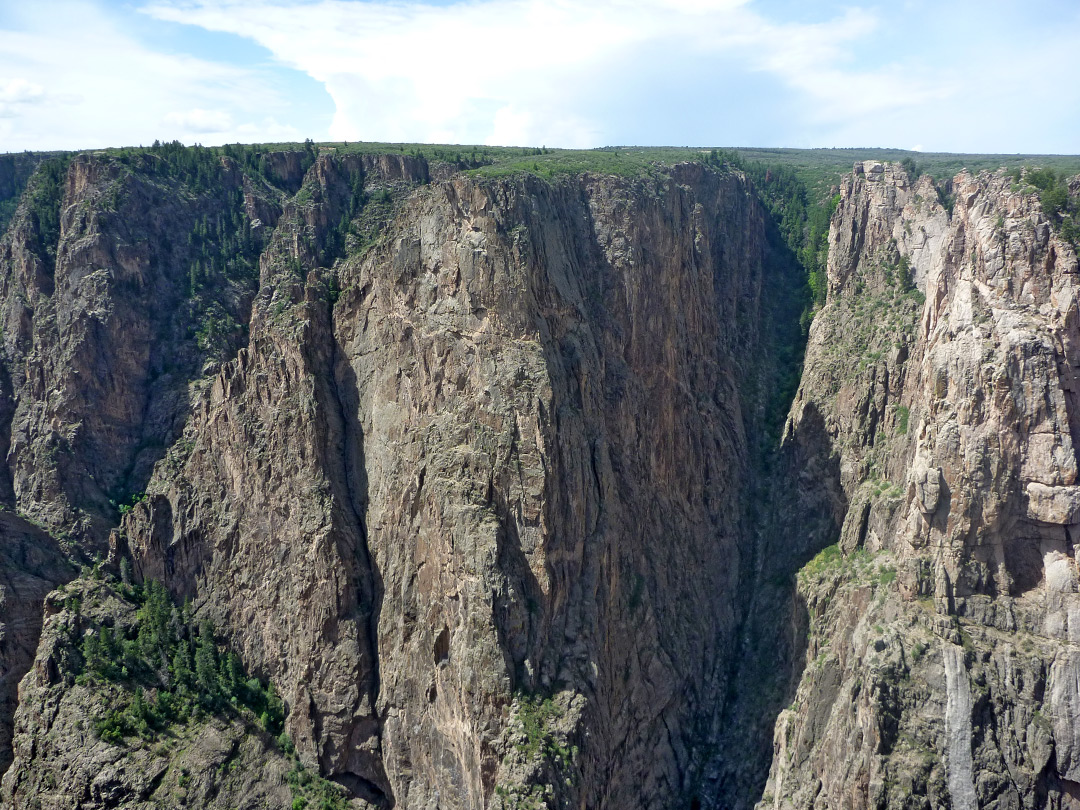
x,y
511,487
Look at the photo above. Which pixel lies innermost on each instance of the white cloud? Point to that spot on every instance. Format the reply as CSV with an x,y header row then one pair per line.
x,y
15,93
519,71
79,81
20,91
541,72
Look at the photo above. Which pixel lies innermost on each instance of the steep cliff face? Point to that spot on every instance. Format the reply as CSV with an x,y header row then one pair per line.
x,y
107,321
507,471
122,283
940,668
471,494
65,757
476,471
31,565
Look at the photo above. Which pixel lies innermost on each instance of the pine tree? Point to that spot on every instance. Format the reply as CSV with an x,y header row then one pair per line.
x,y
206,671
93,654
181,672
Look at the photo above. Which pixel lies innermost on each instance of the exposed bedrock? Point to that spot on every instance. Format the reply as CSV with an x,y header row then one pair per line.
x,y
476,471
492,484
939,634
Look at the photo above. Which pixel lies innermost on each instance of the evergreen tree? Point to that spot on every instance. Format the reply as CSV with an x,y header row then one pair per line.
x,y
181,673
206,671
93,654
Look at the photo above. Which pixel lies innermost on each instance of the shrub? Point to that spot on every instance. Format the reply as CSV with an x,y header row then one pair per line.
x,y
903,414
911,167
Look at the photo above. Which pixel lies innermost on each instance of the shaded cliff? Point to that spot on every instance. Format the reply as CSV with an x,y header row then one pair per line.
x,y
31,565
471,493
488,477
940,379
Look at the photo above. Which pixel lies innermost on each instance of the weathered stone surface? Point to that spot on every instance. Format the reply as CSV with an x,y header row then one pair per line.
x,y
101,352
1053,504
507,459
958,708
975,420
478,485
100,343
928,483
31,565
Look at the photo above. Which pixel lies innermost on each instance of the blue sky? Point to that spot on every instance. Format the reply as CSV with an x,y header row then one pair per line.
x,y
988,76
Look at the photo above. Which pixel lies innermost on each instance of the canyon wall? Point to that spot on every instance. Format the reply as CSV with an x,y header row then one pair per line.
x,y
940,668
487,477
471,494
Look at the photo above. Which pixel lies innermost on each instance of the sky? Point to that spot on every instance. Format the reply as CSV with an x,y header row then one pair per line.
x,y
931,75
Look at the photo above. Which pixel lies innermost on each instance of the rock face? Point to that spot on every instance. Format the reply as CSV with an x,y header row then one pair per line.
x,y
941,376
471,469
62,762
106,328
31,565
508,466
471,494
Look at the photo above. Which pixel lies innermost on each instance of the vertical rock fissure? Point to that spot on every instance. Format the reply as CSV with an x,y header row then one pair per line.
x,y
343,389
776,539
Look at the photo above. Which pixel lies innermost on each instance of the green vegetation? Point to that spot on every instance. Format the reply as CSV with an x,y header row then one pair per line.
x,y
310,791
878,314
126,507
223,245
898,274
903,415
614,161
516,798
879,488
860,564
946,198
818,169
918,651
911,167
541,745
222,250
174,671
798,186
216,329
803,220
796,230
1057,206
538,715
43,197
164,670
336,239
828,559
15,173
200,167
821,169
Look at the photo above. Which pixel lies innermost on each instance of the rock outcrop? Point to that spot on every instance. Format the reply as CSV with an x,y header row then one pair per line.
x,y
63,761
508,467
105,329
475,470
471,494
31,565
941,376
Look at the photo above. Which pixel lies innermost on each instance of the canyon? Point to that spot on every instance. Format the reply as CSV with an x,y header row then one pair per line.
x,y
524,491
